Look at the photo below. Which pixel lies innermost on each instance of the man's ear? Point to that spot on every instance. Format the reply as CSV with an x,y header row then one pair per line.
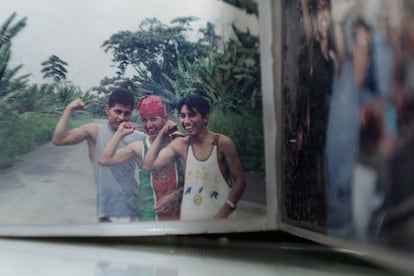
x,y
206,118
107,109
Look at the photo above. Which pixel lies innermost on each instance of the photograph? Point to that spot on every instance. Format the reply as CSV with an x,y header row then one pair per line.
x,y
122,117
348,120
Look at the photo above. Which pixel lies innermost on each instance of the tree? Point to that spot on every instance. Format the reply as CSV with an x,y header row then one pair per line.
x,y
249,6
10,83
107,84
152,53
8,80
54,68
167,64
209,36
230,79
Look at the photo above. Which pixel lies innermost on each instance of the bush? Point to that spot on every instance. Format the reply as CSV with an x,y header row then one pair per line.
x,y
246,133
27,131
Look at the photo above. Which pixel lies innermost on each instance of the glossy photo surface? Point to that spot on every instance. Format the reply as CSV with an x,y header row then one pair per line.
x,y
59,63
348,120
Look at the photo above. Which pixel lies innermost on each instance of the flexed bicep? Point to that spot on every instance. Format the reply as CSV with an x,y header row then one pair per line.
x,y
111,155
163,158
73,136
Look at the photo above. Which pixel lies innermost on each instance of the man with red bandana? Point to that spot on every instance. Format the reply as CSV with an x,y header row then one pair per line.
x,y
159,191
117,188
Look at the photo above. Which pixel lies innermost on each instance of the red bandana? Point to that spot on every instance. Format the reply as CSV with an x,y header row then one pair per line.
x,y
150,105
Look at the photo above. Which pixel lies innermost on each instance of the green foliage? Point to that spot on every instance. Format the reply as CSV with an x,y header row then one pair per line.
x,y
45,98
230,79
54,68
107,85
210,37
249,6
8,31
167,64
31,117
22,135
95,105
28,114
35,99
10,83
247,135
67,93
151,52
26,132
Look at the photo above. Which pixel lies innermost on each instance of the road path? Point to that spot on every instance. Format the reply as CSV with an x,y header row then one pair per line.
x,y
50,185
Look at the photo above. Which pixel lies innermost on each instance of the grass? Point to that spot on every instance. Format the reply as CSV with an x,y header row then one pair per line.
x,y
26,132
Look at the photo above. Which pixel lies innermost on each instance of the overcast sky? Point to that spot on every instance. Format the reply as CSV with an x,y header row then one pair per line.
x,y
74,30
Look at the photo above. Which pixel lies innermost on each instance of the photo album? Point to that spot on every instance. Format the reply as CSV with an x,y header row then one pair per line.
x,y
153,118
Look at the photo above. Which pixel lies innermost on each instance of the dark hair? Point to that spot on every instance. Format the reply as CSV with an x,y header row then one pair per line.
x,y
195,102
362,24
315,5
121,96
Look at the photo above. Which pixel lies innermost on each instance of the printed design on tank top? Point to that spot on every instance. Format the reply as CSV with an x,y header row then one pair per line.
x,y
198,197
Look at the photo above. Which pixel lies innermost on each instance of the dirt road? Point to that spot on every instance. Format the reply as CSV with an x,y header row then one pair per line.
x,y
50,185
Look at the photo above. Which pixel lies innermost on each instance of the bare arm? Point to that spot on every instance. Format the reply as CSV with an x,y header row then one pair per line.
x,y
62,136
156,157
164,204
307,22
340,10
234,166
111,155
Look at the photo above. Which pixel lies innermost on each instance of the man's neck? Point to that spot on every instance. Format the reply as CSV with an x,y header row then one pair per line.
x,y
201,137
110,128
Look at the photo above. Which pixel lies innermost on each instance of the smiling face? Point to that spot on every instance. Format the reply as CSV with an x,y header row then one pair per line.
x,y
323,20
153,123
152,112
192,121
118,114
320,18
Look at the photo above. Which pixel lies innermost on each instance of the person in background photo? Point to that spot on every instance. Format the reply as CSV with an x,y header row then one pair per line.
x,y
160,191
357,133
117,187
214,177
316,69
396,228
342,145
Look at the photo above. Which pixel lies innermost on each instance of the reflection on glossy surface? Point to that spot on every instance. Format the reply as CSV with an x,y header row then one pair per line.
x,y
362,189
211,258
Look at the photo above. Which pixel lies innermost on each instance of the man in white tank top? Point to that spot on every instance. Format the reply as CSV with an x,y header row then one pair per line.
x,y
214,177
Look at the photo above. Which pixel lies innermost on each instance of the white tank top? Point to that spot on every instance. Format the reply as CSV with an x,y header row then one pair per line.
x,y
205,189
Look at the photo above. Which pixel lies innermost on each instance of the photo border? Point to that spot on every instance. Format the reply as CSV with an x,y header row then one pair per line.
x,y
266,222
